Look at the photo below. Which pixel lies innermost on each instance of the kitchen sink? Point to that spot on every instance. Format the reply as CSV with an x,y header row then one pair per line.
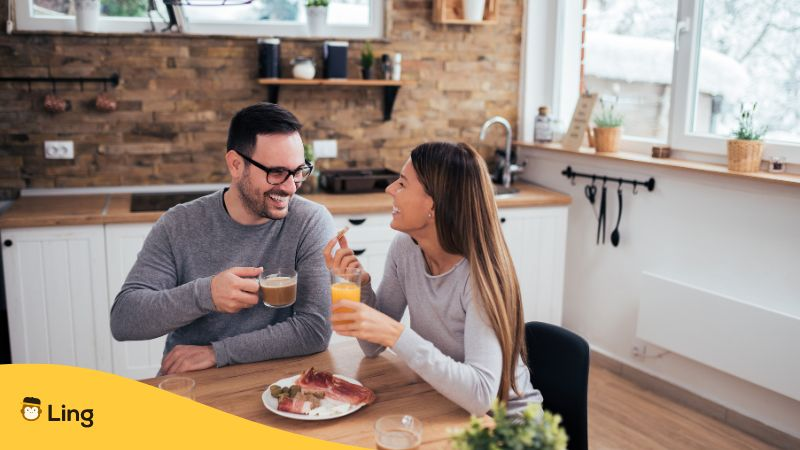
x,y
502,191
162,201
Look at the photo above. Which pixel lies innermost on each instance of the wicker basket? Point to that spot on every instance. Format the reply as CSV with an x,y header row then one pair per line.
x,y
744,156
606,139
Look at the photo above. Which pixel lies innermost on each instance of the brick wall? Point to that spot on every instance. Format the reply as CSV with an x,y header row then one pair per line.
x,y
178,94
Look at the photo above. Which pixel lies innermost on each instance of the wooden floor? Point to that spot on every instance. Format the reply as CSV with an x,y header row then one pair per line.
x,y
623,415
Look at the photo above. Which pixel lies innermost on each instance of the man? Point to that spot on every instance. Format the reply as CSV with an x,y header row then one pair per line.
x,y
196,276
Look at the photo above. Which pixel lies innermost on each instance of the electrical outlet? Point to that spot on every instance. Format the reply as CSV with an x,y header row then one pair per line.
x,y
59,150
639,349
325,148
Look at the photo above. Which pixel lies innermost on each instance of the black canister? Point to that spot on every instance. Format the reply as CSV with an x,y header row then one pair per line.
x,y
269,58
334,54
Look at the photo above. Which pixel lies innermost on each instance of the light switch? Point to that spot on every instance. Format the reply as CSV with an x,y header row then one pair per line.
x,y
325,148
59,150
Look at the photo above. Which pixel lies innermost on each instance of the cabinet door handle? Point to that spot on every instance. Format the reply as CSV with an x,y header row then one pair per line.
x,y
359,252
8,243
502,220
356,221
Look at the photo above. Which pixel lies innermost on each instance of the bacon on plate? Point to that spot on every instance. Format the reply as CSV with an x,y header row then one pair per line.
x,y
334,387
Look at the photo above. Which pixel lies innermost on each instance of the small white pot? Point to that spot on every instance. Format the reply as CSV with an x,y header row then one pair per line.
x,y
473,10
317,16
87,15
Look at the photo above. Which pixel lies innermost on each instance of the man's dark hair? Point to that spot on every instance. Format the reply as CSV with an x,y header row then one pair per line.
x,y
261,118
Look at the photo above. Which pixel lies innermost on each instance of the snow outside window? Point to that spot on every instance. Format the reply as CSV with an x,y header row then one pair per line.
x,y
728,52
629,52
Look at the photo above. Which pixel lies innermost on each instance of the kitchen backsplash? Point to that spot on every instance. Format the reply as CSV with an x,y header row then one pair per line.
x,y
178,94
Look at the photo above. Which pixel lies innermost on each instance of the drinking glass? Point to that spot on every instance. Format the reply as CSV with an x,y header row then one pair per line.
x,y
183,386
398,432
278,287
345,285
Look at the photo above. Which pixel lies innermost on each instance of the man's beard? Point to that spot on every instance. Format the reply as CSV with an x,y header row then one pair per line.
x,y
256,202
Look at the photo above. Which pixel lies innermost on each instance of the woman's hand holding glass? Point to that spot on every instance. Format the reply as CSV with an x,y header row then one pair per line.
x,y
354,318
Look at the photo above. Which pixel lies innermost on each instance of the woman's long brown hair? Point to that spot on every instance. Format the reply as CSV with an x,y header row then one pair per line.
x,y
457,179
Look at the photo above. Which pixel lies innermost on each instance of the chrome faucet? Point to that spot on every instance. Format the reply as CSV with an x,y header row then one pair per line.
x,y
508,168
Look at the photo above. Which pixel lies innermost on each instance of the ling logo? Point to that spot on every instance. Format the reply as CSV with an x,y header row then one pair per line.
x,y
32,410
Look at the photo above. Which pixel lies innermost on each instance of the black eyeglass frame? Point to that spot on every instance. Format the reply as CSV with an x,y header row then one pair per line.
x,y
270,170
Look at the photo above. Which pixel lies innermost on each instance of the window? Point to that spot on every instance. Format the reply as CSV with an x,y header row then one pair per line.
x,y
757,60
629,50
355,19
678,69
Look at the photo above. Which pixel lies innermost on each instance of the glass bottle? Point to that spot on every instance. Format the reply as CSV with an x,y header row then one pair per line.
x,y
542,127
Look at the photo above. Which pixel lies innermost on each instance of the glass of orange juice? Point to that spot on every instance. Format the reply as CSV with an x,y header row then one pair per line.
x,y
345,285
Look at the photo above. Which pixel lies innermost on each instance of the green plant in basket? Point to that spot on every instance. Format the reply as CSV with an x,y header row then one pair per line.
x,y
310,3
747,130
608,118
536,429
367,57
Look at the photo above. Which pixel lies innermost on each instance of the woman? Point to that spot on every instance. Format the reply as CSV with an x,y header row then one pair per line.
x,y
451,268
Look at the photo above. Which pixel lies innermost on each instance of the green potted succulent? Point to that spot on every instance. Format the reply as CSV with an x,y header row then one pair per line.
x,y
317,13
744,152
608,128
536,430
367,59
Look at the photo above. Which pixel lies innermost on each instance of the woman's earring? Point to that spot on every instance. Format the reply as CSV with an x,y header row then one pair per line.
x,y
429,215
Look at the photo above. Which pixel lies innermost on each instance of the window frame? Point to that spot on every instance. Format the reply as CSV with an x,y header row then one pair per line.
x,y
26,21
558,88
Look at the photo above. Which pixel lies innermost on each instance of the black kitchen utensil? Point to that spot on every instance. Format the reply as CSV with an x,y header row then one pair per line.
x,y
591,192
601,218
615,233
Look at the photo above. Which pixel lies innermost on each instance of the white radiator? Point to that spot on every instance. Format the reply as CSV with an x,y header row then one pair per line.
x,y
748,341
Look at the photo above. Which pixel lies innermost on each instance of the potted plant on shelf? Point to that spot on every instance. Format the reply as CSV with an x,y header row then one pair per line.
x,y
317,13
608,128
744,152
367,59
536,429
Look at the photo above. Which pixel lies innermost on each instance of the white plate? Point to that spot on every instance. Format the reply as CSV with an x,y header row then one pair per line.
x,y
271,403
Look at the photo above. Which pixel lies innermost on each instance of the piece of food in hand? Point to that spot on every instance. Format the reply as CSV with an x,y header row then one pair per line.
x,y
334,387
342,232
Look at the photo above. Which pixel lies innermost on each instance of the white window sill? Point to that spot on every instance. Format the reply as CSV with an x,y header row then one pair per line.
x,y
792,179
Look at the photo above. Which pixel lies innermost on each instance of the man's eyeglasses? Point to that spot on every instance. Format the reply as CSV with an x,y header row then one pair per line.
x,y
279,175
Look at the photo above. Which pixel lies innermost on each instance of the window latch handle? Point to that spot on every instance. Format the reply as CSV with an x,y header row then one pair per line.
x,y
681,27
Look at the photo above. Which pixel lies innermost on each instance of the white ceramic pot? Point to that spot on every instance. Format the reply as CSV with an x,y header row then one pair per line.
x,y
473,10
87,15
317,16
303,69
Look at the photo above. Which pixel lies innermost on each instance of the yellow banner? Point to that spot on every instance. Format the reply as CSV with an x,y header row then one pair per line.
x,y
53,406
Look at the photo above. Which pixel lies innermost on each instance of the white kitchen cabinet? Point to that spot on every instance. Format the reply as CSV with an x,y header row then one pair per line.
x,y
56,293
537,239
133,359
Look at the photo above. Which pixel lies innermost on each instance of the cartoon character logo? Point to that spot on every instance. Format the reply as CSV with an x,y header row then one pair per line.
x,y
31,408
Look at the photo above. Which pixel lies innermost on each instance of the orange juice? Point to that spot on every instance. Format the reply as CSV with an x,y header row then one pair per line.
x,y
345,290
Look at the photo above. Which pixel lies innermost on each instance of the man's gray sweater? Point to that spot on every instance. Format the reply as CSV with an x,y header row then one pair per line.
x,y
168,290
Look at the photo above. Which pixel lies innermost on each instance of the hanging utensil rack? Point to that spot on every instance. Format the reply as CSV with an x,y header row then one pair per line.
x,y
571,174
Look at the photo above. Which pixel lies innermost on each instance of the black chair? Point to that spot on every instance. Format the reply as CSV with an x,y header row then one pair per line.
x,y
559,363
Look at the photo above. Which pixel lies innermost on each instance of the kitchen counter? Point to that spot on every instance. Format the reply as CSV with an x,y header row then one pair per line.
x,y
46,211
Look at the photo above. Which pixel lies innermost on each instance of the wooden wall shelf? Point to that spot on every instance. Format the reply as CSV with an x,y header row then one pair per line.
x,y
452,12
390,88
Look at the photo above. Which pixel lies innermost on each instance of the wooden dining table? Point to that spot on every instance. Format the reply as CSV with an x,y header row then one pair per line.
x,y
237,389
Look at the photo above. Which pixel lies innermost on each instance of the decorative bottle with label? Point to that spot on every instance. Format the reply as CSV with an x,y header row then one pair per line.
x,y
542,127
